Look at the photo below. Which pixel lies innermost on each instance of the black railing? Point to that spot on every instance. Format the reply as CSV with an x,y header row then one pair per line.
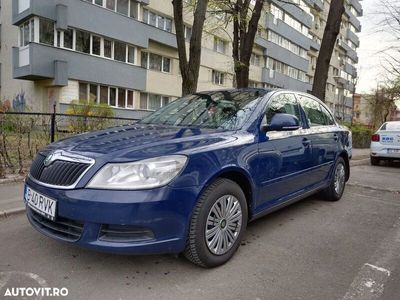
x,y
23,134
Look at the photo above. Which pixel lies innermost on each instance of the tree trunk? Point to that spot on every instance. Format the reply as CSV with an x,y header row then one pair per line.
x,y
331,32
244,33
189,68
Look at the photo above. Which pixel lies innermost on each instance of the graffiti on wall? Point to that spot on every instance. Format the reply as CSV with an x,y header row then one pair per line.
x,y
19,103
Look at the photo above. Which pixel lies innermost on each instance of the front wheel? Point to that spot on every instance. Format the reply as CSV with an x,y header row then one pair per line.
x,y
217,225
338,182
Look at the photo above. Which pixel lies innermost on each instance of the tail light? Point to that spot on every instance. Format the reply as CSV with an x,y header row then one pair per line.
x,y
375,138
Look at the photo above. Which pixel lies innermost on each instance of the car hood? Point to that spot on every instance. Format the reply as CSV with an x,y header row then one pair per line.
x,y
140,141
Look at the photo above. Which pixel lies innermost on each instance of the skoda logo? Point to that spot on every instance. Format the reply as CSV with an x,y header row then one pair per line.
x,y
48,160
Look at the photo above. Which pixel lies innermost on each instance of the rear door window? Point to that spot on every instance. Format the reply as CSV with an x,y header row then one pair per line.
x,y
316,114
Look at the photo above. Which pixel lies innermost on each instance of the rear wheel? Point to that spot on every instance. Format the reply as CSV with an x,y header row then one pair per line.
x,y
218,223
338,182
375,161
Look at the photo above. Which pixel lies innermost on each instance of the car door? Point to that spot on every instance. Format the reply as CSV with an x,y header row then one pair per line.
x,y
322,131
283,156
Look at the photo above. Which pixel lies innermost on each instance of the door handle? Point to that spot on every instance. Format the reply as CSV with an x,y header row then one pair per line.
x,y
306,142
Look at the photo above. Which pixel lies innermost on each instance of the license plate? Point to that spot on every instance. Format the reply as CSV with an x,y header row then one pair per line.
x,y
40,203
393,150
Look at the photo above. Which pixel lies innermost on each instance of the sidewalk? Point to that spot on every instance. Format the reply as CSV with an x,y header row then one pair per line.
x,y
11,192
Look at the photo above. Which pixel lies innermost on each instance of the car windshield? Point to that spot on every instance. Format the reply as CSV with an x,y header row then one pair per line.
x,y
220,109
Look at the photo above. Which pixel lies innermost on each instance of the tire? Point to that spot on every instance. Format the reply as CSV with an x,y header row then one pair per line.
x,y
334,192
375,161
200,250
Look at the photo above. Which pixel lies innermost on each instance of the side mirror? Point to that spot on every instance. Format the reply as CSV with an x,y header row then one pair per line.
x,y
282,122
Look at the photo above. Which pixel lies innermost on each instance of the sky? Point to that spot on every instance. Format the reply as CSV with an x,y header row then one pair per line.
x,y
374,44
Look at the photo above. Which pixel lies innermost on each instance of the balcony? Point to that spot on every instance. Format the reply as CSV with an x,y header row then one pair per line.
x,y
287,31
92,18
348,68
348,101
38,62
284,81
283,55
353,37
343,82
295,11
353,19
357,6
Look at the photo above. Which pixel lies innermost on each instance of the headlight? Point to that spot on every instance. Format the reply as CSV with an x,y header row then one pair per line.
x,y
144,174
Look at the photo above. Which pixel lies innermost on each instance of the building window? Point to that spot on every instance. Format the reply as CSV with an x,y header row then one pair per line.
x,y
129,99
113,97
120,51
103,94
83,91
96,45
217,77
68,38
27,33
131,54
255,59
153,101
82,41
156,20
107,48
133,9
219,45
46,32
98,2
123,7
156,62
110,4
121,97
93,93
187,32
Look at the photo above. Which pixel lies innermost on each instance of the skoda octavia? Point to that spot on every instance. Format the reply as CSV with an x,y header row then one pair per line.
x,y
190,176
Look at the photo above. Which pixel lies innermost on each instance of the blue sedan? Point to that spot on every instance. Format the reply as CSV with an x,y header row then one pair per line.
x,y
190,176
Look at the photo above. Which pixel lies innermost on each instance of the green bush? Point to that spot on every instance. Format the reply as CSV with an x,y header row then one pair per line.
x,y
361,135
94,116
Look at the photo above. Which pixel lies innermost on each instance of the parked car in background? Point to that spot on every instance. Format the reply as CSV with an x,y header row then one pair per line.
x,y
190,176
385,143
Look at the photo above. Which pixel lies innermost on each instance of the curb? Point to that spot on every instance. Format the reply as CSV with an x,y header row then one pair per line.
x,y
360,162
11,212
373,187
14,179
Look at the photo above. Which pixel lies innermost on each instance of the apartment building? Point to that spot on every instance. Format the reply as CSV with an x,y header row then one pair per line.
x,y
123,53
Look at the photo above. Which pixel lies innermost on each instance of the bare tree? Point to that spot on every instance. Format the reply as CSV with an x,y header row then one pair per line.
x,y
244,16
331,32
189,67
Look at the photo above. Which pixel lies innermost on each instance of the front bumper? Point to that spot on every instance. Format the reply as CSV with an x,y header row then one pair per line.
x,y
165,212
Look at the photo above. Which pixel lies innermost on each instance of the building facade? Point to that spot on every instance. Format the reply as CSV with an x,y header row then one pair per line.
x,y
123,53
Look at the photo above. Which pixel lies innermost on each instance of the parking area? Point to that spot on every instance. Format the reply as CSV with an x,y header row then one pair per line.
x,y
310,250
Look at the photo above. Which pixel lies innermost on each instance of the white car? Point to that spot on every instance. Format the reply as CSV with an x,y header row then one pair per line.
x,y
385,143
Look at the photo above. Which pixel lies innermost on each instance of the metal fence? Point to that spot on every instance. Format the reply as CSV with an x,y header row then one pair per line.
x,y
23,134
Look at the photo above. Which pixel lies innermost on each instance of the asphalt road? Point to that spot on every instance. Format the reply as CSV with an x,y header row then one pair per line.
x,y
310,250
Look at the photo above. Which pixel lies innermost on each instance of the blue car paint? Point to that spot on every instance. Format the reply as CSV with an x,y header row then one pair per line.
x,y
275,176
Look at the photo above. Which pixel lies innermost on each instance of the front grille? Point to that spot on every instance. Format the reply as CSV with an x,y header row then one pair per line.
x,y
124,233
63,228
60,172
